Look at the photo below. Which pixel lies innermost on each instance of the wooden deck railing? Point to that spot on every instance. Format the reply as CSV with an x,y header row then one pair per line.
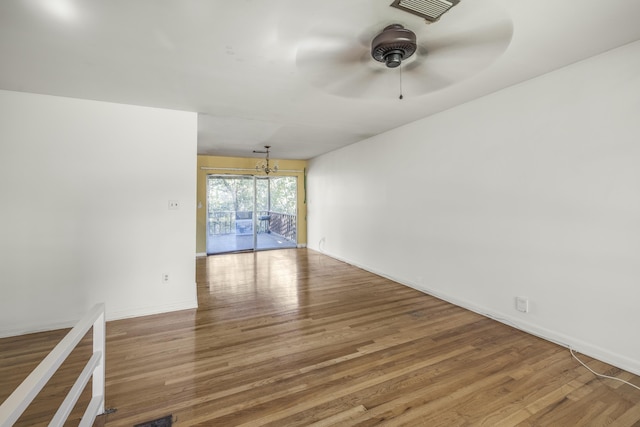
x,y
21,398
285,225
222,222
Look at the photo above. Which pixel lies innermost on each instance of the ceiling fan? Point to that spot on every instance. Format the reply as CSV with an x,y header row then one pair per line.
x,y
353,52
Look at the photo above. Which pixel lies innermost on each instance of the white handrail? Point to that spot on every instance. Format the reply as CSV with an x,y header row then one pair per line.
x,y
21,398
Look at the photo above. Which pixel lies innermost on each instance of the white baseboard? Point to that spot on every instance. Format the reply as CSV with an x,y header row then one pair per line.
x,y
589,349
147,311
117,315
35,328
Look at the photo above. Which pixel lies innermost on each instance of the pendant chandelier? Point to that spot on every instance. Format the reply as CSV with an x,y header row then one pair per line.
x,y
263,165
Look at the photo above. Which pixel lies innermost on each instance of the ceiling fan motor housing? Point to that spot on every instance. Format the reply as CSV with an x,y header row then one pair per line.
x,y
393,45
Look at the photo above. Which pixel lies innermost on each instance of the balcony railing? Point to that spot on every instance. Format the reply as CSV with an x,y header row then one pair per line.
x,y
222,222
232,222
284,225
21,398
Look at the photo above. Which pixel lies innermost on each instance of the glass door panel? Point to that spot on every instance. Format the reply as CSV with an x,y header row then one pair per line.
x,y
230,201
276,212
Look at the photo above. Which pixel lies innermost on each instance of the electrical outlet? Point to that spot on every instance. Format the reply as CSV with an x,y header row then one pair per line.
x,y
165,277
522,304
174,205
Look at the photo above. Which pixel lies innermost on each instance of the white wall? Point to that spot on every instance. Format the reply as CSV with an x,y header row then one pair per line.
x,y
84,190
532,191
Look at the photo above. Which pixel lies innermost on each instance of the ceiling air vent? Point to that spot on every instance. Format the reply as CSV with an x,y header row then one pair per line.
x,y
431,10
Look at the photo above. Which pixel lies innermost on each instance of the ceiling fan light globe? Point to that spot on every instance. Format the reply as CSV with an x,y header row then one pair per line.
x,y
393,59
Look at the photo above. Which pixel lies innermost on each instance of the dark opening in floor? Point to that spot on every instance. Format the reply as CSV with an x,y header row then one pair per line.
x,y
160,422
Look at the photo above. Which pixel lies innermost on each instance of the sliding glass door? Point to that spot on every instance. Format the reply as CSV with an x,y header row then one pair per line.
x,y
250,213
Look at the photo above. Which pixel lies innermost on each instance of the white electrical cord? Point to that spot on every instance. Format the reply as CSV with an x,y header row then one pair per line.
x,y
509,322
601,375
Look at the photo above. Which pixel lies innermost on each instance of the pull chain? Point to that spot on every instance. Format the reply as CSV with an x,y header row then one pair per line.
x,y
400,97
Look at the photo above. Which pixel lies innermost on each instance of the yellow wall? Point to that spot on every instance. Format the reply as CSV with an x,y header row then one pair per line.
x,y
245,163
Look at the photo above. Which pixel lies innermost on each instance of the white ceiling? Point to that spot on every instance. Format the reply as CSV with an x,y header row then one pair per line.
x,y
249,68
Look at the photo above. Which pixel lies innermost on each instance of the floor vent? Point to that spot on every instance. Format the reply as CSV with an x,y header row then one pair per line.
x,y
160,422
431,10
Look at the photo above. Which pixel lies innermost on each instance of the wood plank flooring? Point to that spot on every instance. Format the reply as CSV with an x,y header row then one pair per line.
x,y
294,338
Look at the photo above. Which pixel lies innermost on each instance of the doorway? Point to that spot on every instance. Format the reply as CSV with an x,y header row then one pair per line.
x,y
246,213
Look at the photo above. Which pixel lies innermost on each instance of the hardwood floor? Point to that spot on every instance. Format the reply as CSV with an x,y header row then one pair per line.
x,y
294,338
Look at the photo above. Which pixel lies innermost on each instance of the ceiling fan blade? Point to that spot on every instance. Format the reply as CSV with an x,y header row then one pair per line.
x,y
354,85
326,53
323,64
491,37
420,77
461,56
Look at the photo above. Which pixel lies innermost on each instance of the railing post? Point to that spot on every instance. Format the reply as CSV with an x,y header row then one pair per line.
x,y
99,345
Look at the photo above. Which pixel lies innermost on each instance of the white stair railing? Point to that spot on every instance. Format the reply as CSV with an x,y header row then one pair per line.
x,y
21,398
